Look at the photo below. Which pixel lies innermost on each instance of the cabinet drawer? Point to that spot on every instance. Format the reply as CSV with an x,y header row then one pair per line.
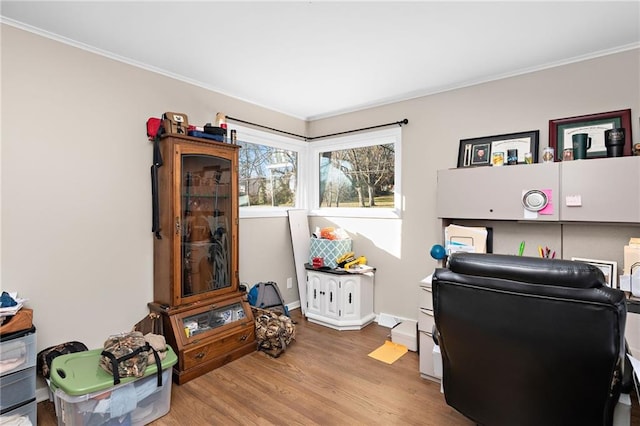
x,y
426,354
425,320
18,387
17,353
426,297
220,347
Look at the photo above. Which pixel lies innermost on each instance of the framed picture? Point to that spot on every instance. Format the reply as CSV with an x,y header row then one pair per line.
x,y
561,130
478,151
608,267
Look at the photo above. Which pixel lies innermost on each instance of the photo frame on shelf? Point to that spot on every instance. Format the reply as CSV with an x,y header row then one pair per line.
x,y
477,152
608,267
562,129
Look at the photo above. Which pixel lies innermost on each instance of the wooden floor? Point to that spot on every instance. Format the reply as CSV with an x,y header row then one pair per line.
x,y
324,378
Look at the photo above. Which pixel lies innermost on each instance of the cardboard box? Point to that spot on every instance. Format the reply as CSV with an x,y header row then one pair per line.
x,y
631,255
406,333
328,250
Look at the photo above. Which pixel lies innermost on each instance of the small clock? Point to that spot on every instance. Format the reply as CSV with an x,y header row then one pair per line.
x,y
534,200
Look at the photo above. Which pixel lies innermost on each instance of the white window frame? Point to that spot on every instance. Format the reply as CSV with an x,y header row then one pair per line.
x,y
258,137
380,137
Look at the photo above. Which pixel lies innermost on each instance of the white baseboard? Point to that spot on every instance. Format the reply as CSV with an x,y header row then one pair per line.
x,y
42,392
293,305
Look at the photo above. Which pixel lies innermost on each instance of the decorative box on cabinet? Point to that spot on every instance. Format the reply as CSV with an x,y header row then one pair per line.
x,y
425,331
340,300
196,255
494,193
608,190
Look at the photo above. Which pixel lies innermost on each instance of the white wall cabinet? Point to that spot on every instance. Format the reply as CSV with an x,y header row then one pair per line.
x,y
340,300
604,190
494,193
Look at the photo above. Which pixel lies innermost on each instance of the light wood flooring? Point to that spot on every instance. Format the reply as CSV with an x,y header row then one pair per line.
x,y
324,378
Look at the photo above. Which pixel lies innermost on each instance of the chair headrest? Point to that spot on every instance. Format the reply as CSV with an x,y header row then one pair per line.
x,y
534,270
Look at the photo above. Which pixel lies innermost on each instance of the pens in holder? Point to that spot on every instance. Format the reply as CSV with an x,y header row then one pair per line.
x,y
540,251
521,250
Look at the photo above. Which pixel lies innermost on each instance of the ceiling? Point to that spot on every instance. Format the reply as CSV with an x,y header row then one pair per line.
x,y
316,59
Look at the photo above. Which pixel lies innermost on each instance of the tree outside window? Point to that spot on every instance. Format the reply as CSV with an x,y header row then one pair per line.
x,y
361,177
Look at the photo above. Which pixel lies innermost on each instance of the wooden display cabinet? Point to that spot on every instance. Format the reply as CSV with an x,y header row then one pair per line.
x,y
207,335
196,254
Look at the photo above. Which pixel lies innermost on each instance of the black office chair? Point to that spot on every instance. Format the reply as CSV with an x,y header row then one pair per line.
x,y
529,341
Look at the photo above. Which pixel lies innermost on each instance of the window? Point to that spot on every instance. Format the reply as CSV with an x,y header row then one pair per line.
x,y
358,175
270,173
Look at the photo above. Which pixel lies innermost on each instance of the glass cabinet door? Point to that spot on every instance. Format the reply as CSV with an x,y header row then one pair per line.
x,y
205,209
210,319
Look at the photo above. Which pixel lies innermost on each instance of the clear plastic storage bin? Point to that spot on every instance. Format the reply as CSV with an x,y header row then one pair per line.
x,y
86,394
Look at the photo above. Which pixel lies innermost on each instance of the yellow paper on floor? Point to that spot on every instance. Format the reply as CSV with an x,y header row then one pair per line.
x,y
389,352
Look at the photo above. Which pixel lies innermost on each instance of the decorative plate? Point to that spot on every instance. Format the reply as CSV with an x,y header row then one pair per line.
x,y
534,200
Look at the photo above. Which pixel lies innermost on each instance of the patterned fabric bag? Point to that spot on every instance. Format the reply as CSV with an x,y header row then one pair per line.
x,y
274,331
45,357
127,355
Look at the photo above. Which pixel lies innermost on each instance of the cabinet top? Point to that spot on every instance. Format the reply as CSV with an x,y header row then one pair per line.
x,y
204,141
336,271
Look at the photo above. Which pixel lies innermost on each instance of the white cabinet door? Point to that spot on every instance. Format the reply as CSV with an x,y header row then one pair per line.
x,y
331,294
323,295
495,193
601,190
350,297
313,293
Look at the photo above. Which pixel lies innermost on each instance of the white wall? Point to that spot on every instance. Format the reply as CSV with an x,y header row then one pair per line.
x,y
76,194
76,204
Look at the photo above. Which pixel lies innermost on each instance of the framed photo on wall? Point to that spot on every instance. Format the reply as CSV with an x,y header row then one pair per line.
x,y
476,152
608,267
561,131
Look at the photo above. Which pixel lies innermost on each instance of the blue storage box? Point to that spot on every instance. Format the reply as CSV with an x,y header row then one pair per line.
x,y
329,250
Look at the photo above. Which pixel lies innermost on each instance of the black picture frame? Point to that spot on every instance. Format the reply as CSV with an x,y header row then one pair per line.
x,y
477,152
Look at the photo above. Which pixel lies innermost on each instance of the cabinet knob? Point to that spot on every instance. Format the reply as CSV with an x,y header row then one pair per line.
x,y
177,225
200,355
244,337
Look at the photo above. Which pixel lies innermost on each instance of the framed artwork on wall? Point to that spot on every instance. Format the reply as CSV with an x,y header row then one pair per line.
x,y
562,129
476,152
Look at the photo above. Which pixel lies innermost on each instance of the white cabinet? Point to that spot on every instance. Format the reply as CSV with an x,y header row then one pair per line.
x,y
601,190
595,190
495,193
428,361
340,300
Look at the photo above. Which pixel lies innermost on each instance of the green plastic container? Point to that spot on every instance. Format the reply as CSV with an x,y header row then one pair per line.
x,y
80,373
84,393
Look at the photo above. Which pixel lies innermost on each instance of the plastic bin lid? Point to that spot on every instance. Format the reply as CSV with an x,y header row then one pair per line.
x,y
80,373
